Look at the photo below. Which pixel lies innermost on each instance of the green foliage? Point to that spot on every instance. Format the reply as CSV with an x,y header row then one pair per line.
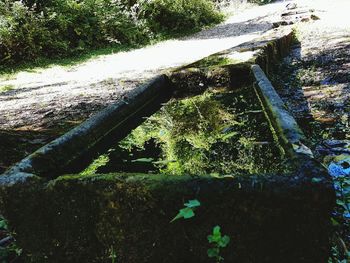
x,y
218,242
205,134
3,223
98,162
113,255
6,88
35,28
171,16
188,211
216,239
10,251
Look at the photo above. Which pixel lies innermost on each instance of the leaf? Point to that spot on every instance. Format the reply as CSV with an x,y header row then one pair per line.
x,y
334,222
3,224
229,135
213,252
216,236
186,213
143,160
216,231
224,241
193,203
316,180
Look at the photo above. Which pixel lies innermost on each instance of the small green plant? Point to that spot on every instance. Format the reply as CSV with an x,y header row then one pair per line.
x,y
216,239
6,88
3,223
218,242
113,255
97,163
11,252
188,211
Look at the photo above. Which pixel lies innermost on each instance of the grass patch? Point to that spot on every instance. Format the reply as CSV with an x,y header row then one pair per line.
x,y
6,88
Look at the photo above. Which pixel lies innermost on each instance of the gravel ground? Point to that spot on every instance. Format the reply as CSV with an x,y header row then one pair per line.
x,y
314,80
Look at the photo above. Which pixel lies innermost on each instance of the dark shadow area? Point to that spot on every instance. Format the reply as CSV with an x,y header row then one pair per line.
x,y
18,142
25,129
15,91
233,29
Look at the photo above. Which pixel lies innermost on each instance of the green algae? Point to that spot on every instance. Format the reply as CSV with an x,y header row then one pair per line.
x,y
220,132
77,218
213,61
92,168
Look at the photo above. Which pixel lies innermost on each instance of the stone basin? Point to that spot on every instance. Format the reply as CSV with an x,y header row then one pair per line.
x,y
62,209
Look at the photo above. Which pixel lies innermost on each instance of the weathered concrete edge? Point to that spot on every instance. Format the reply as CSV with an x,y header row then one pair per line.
x,y
288,131
72,145
268,49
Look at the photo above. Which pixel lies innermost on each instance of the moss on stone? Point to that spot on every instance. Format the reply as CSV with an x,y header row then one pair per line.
x,y
79,218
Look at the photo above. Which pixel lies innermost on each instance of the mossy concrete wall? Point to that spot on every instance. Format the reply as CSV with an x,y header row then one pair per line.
x,y
232,67
287,130
81,219
75,149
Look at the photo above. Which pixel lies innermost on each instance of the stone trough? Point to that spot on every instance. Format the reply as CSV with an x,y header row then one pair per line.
x,y
60,214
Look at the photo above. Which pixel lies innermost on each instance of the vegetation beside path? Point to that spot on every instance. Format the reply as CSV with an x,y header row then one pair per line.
x,y
33,29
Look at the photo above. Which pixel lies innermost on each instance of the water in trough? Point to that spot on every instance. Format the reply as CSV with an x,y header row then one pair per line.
x,y
219,132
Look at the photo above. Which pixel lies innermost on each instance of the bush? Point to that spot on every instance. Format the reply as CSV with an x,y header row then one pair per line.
x,y
179,16
54,28
21,33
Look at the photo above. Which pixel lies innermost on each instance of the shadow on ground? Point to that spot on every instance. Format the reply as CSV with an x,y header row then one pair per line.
x,y
316,90
234,29
17,143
